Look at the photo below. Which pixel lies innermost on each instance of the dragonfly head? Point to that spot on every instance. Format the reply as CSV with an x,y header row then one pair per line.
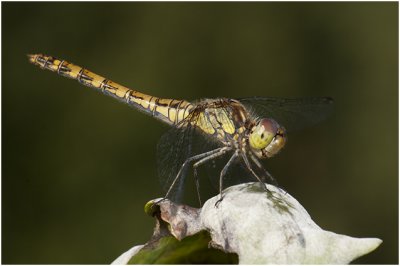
x,y
267,138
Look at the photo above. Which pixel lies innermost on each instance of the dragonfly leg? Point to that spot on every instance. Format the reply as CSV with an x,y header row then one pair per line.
x,y
273,180
222,174
196,180
204,160
188,160
259,165
248,165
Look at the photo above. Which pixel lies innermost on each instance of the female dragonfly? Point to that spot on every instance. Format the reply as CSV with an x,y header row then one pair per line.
x,y
243,131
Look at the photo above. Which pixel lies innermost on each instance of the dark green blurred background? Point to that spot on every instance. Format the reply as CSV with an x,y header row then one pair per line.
x,y
78,167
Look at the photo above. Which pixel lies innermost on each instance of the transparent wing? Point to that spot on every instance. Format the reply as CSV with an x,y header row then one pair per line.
x,y
172,150
186,140
292,113
175,147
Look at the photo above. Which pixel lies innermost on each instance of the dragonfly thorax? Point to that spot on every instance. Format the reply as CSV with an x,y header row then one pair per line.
x,y
267,138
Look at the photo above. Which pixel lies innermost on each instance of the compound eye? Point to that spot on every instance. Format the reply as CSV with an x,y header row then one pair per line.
x,y
263,133
269,125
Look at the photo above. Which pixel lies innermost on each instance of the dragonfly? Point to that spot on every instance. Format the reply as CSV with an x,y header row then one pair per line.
x,y
240,132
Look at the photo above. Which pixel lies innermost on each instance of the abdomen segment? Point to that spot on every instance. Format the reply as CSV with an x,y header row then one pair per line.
x,y
167,110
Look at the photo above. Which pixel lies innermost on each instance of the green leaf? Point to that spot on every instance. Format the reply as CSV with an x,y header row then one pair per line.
x,y
191,250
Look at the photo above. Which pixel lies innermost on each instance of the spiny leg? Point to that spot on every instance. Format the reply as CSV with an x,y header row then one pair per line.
x,y
222,174
204,160
259,165
248,165
188,160
273,180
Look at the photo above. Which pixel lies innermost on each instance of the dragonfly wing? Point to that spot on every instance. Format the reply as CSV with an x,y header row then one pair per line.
x,y
172,150
292,113
181,142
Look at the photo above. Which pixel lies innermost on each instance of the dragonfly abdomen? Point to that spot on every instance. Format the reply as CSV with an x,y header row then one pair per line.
x,y
167,110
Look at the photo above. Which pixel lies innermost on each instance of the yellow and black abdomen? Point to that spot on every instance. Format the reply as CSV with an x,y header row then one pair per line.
x,y
167,110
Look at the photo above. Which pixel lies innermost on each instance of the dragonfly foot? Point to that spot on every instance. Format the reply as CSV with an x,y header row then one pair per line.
x,y
218,202
282,190
264,186
160,200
